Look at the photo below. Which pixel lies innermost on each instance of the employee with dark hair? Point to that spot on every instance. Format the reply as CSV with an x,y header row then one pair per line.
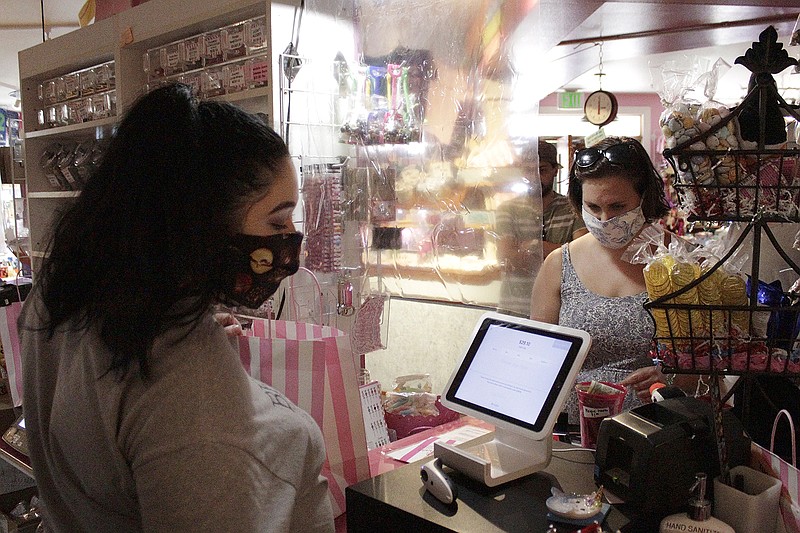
x,y
140,415
588,285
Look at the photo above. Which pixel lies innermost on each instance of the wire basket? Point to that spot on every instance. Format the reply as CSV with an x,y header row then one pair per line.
x,y
736,185
734,165
740,165
714,321
725,339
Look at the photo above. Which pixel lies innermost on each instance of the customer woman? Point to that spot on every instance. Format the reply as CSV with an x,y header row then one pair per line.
x,y
140,415
588,285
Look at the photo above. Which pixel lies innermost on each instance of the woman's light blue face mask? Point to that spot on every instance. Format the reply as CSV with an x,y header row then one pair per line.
x,y
615,232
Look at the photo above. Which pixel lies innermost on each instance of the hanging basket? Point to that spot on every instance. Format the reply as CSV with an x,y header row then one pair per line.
x,y
740,163
716,321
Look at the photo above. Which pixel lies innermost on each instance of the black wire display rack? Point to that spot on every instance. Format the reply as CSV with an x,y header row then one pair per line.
x,y
754,183
754,337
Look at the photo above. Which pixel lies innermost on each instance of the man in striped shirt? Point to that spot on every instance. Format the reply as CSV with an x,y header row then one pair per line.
x,y
521,226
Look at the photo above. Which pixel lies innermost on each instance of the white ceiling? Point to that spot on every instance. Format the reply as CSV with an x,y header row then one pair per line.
x,y
641,35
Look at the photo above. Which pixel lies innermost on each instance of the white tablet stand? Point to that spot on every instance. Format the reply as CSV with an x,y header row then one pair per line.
x,y
516,374
506,457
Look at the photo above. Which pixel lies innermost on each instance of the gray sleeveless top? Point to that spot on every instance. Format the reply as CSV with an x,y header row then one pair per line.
x,y
621,331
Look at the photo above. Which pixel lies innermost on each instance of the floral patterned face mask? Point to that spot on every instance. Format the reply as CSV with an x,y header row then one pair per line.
x,y
257,265
615,232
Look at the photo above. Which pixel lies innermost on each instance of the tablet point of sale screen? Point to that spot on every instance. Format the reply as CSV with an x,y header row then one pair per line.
x,y
513,371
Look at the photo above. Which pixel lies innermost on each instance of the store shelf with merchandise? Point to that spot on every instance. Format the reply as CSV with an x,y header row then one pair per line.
x,y
75,87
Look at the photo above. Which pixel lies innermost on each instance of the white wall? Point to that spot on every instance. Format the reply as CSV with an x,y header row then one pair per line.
x,y
424,337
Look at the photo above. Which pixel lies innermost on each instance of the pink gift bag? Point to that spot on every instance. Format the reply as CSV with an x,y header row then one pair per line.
x,y
766,461
314,367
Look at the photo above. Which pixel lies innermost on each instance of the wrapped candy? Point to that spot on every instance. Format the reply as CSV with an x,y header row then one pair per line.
x,y
691,295
657,281
723,138
411,396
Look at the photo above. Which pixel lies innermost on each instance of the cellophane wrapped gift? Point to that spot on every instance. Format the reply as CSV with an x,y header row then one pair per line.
x,y
701,310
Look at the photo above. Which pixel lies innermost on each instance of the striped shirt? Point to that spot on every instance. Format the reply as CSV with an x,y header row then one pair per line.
x,y
560,221
521,220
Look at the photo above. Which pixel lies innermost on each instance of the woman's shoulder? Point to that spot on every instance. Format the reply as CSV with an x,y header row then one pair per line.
x,y
585,248
552,263
583,243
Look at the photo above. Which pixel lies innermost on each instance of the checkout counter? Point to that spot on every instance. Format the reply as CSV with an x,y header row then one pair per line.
x,y
646,460
396,500
516,375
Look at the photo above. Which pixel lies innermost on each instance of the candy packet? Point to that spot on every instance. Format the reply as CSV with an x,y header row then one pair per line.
x,y
672,267
665,272
411,396
701,176
673,81
726,136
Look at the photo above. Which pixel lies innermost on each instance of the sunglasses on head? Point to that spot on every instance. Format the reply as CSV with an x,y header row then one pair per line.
x,y
617,154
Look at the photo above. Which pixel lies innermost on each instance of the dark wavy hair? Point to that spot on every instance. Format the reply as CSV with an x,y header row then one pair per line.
x,y
142,249
639,170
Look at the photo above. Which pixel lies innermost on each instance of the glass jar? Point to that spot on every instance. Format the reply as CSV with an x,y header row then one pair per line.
x,y
233,41
88,81
256,35
80,110
104,76
235,78
70,87
192,49
171,60
102,106
83,161
212,48
152,64
63,117
66,164
213,82
49,163
256,71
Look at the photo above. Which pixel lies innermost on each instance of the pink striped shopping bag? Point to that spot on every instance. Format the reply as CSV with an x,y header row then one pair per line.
x,y
315,368
11,351
766,461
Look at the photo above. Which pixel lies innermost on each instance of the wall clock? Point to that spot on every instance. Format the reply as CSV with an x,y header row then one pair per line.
x,y
600,108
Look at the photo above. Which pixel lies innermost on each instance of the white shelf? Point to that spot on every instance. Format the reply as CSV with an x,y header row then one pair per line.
x,y
261,92
123,38
84,127
54,194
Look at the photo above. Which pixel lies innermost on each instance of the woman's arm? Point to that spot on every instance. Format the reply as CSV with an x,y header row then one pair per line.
x,y
546,294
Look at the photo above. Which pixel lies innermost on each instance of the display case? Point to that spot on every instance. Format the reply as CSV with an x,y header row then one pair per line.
x,y
74,75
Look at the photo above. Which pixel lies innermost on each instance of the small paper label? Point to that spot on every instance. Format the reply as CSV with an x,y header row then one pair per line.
x,y
596,412
594,138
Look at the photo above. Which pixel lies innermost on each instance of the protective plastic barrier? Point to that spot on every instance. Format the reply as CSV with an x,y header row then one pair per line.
x,y
400,115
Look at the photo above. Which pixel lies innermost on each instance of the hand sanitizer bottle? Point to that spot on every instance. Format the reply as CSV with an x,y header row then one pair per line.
x,y
699,515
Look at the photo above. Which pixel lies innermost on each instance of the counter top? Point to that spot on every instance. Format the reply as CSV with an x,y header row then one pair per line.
x,y
395,500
